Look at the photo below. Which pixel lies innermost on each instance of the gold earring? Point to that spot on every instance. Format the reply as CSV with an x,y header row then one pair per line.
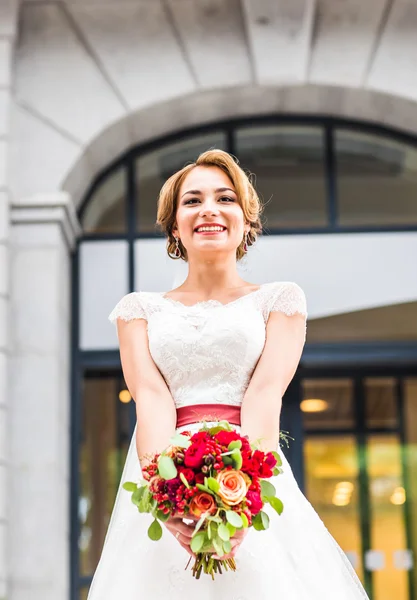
x,y
177,252
245,242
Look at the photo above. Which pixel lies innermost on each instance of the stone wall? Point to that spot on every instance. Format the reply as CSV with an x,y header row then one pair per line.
x,y
8,13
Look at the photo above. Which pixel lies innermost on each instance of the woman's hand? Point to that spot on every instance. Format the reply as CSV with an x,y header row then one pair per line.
x,y
184,532
235,541
181,531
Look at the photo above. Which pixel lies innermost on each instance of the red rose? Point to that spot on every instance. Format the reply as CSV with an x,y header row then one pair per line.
x,y
194,456
246,447
255,486
270,460
247,466
199,478
188,474
253,465
265,471
202,503
255,502
200,436
225,437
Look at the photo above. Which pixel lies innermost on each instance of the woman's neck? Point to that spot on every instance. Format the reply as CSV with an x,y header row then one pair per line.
x,y
212,276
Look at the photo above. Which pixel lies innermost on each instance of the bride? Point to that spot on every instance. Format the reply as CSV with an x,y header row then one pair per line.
x,y
217,345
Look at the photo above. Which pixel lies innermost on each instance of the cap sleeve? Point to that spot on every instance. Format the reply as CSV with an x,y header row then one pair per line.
x,y
128,308
288,298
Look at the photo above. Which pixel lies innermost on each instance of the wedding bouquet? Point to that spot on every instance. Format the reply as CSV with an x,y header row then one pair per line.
x,y
215,476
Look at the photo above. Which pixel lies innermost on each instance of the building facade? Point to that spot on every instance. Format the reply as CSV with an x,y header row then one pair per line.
x,y
100,101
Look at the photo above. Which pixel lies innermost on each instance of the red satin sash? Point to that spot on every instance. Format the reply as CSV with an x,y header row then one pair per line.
x,y
186,415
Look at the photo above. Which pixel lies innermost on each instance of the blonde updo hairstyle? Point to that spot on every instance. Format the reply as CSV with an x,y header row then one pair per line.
x,y
246,194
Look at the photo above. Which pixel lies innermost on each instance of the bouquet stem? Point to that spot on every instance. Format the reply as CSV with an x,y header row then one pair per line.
x,y
205,562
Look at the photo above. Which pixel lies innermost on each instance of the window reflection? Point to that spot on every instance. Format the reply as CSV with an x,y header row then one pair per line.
x,y
397,322
376,179
381,402
106,208
327,404
288,162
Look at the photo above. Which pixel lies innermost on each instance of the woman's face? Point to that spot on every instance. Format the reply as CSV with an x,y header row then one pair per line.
x,y
207,198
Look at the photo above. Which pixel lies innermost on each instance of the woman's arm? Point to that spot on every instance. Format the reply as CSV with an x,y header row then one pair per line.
x,y
262,402
155,408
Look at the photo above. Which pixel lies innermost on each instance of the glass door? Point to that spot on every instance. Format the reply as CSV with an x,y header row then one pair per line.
x,y
331,460
359,455
106,427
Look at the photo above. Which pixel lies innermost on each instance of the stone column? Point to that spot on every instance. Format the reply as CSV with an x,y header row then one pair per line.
x,y
8,17
43,233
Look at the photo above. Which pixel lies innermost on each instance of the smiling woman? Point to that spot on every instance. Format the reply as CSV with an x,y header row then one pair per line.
x,y
224,343
211,192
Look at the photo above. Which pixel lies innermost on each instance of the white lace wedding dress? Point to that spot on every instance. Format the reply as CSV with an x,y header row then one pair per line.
x,y
207,353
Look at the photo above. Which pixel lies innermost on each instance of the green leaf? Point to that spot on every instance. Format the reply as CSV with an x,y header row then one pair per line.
x,y
227,546
225,425
260,521
209,526
184,480
236,444
203,488
162,516
223,532
237,459
267,489
180,441
221,426
245,520
145,501
155,531
207,546
129,486
234,519
276,504
197,541
227,460
265,519
137,495
213,484
199,523
218,546
232,530
278,458
215,519
167,468
213,430
257,523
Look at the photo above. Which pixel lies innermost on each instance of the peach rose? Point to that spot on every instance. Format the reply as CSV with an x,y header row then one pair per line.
x,y
233,487
201,503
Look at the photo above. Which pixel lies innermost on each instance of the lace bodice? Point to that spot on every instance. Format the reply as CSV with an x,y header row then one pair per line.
x,y
207,352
